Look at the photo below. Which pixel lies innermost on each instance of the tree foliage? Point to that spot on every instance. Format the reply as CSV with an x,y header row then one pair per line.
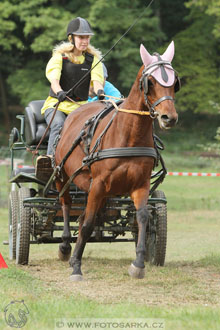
x,y
31,28
172,16
197,62
111,19
211,8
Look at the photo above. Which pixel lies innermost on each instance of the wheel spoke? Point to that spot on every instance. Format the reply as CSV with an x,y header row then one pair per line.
x,y
157,233
23,228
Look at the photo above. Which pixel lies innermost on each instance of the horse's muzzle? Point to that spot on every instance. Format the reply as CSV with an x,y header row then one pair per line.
x,y
167,121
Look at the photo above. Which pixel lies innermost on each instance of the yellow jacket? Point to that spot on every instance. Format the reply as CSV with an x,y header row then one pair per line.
x,y
54,68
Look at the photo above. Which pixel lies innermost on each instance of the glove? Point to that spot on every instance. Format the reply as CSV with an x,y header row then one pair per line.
x,y
61,95
100,94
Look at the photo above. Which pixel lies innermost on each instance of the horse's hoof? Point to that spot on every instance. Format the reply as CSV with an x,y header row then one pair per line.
x,y
64,257
136,272
76,278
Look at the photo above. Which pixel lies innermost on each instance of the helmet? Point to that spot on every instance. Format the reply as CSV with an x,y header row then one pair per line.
x,y
79,26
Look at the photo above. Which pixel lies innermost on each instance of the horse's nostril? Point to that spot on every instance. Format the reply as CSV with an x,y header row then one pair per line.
x,y
170,121
165,118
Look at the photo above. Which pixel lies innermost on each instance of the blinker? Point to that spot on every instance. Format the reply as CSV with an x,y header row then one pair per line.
x,y
145,82
177,85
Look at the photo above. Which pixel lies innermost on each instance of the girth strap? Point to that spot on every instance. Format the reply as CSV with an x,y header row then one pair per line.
x,y
120,152
111,153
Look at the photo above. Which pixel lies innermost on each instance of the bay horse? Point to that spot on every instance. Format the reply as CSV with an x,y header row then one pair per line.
x,y
128,127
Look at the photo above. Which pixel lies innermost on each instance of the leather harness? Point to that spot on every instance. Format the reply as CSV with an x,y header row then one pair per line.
x,y
94,155
90,126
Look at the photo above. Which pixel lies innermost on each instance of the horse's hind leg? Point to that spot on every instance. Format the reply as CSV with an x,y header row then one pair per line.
x,y
140,198
64,251
95,198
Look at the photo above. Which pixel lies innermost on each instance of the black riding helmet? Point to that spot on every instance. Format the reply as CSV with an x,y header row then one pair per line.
x,y
80,27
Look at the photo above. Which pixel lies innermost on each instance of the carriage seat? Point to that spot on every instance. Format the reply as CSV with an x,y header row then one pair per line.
x,y
35,124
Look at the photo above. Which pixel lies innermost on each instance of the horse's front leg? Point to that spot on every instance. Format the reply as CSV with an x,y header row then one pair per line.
x,y
140,198
64,251
86,228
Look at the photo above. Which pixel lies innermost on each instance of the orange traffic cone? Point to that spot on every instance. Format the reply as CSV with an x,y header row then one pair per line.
x,y
2,262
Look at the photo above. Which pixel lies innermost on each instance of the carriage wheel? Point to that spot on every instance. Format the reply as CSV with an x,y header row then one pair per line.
x,y
156,238
23,228
12,222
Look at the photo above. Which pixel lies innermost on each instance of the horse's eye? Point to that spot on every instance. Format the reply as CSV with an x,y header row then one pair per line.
x,y
150,84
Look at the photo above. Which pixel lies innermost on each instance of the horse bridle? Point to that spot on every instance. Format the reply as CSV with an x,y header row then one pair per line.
x,y
144,83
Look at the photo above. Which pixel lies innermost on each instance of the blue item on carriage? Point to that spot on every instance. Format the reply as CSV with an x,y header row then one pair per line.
x,y
109,89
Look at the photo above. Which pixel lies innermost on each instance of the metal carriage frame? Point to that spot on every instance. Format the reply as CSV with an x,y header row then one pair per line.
x,y
36,218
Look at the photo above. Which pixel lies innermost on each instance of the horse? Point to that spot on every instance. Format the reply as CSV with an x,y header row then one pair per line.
x,y
127,129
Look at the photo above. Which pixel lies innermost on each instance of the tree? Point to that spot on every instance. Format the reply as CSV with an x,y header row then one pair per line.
x,y
110,20
172,16
37,27
30,30
7,41
211,8
197,60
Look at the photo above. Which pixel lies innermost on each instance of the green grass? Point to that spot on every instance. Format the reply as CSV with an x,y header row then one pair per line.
x,y
192,193
184,293
4,185
190,162
185,143
46,303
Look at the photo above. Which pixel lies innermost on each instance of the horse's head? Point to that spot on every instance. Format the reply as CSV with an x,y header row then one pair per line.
x,y
159,83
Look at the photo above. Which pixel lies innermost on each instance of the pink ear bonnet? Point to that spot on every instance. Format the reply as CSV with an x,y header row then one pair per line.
x,y
164,74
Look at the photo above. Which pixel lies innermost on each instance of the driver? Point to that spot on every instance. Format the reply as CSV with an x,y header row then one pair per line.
x,y
68,64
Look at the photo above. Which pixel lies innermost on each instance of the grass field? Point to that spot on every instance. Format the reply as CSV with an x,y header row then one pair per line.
x,y
184,294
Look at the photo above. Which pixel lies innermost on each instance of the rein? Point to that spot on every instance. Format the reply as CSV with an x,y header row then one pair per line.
x,y
36,152
136,112
97,154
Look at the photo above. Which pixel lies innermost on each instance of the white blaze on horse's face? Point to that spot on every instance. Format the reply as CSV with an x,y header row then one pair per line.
x,y
165,76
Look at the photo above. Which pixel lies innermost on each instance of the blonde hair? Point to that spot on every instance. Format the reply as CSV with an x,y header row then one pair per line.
x,y
67,48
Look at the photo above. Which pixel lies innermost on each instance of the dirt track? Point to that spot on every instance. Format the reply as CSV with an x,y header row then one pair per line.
x,y
107,281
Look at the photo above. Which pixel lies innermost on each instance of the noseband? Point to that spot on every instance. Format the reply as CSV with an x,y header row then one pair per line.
x,y
144,83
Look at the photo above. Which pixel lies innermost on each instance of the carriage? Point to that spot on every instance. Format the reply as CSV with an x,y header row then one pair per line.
x,y
35,215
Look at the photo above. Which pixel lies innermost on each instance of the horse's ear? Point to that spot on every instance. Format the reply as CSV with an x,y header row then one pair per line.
x,y
169,52
145,56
